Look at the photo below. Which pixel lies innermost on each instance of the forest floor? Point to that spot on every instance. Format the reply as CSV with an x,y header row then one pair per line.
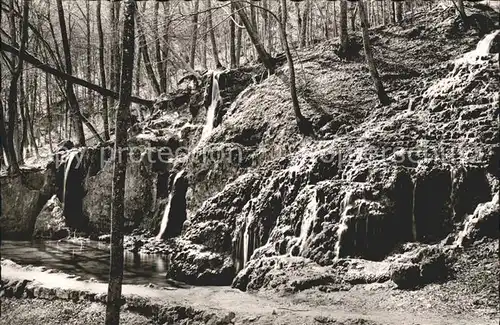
x,y
469,298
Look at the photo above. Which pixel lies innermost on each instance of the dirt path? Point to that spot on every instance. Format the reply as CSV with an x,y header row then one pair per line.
x,y
352,307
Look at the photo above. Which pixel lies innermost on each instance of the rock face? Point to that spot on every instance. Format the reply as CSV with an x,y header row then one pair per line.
x,y
482,223
23,199
140,196
50,223
397,175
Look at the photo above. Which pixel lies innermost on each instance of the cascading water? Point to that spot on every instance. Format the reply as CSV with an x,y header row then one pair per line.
x,y
166,213
343,222
483,48
307,221
484,45
413,217
69,162
246,239
216,98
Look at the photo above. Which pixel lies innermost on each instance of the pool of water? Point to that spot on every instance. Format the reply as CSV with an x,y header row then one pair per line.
x,y
89,259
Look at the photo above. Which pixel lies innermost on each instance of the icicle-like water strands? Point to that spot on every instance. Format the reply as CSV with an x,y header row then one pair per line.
x,y
166,213
413,217
483,48
246,239
343,222
307,221
209,124
69,162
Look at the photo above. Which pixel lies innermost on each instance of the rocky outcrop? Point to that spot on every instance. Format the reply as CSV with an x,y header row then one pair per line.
x,y
482,223
22,199
50,223
140,196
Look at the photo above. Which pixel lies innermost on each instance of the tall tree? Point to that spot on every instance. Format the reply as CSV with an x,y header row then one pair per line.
x,y
72,101
305,22
143,47
102,70
12,97
344,37
160,65
232,38
264,56
120,164
212,36
48,104
164,43
399,11
194,33
461,10
382,95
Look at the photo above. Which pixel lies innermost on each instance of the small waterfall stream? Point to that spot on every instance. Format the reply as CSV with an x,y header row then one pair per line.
x,y
216,98
168,207
307,221
343,222
413,217
207,129
69,161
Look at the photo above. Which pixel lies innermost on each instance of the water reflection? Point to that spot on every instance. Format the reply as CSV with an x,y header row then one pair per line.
x,y
87,259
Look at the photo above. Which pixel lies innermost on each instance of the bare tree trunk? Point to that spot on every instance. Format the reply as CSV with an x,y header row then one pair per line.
x,y
194,34
382,95
266,59
72,101
164,43
212,36
354,10
239,33
284,18
30,117
114,300
335,28
461,10
49,115
143,46
112,53
12,97
305,22
89,57
293,89
299,20
232,39
399,12
205,44
102,71
23,108
158,57
344,37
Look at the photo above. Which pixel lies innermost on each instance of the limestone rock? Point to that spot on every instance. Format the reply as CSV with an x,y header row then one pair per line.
x,y
50,223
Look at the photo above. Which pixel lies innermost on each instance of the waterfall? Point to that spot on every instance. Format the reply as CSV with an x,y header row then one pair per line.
x,y
69,162
343,222
482,49
209,124
413,218
166,213
307,221
245,245
484,45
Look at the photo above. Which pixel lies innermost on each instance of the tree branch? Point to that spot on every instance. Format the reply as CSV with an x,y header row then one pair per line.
x,y
55,72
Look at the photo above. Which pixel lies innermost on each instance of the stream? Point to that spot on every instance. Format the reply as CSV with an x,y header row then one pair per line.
x,y
89,259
